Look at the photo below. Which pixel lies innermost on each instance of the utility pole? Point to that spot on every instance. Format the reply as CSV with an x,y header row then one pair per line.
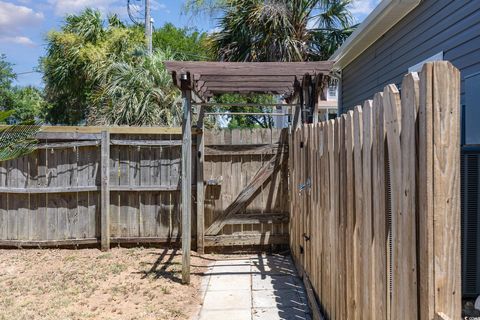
x,y
148,27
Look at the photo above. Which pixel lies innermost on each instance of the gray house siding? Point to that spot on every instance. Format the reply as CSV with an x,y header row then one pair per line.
x,y
451,26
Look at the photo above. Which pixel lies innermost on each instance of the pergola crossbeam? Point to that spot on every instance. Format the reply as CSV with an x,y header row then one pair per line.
x,y
220,104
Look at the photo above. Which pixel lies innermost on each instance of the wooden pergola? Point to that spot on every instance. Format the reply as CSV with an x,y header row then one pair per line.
x,y
303,86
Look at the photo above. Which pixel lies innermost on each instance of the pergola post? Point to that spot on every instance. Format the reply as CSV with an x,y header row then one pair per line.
x,y
186,184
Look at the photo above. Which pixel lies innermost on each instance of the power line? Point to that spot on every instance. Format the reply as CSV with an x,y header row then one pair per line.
x,y
27,72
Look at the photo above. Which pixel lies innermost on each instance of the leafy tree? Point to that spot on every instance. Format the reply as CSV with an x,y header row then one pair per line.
x,y
25,104
250,121
187,43
98,72
29,104
275,30
85,45
6,79
139,93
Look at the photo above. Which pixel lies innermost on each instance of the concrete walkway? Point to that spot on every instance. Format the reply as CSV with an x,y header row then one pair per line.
x,y
257,287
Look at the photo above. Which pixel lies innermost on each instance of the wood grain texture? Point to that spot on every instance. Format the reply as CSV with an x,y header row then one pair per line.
x,y
446,188
186,200
379,218
406,222
358,183
105,192
366,186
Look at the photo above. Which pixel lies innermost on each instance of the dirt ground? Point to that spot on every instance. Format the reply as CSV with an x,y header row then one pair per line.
x,y
137,283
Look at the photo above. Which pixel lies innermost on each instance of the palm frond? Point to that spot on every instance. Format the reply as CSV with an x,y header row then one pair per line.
x,y
17,140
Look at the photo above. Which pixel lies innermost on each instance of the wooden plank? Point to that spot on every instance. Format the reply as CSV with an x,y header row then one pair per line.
x,y
406,222
111,129
245,239
342,258
47,243
222,104
70,144
350,216
426,205
253,218
379,218
312,301
200,183
68,135
446,189
393,116
243,149
366,217
357,247
144,188
105,192
186,185
146,143
49,190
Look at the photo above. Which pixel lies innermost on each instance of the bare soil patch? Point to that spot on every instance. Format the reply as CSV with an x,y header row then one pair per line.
x,y
136,283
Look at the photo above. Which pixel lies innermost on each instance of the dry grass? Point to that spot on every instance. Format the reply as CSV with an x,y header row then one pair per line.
x,y
88,284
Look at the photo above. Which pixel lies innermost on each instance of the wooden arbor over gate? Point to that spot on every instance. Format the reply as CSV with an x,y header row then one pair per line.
x,y
302,84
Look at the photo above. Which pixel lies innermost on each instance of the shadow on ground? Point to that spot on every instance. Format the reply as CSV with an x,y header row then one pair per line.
x,y
263,287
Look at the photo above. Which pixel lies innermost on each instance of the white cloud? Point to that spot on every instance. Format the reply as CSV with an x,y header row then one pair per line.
x,y
361,8
13,16
14,19
63,7
157,6
26,41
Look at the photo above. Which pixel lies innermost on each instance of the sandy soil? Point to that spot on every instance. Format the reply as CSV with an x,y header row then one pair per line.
x,y
137,283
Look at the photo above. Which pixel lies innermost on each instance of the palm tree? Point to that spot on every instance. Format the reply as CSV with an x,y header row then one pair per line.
x,y
136,93
278,30
98,72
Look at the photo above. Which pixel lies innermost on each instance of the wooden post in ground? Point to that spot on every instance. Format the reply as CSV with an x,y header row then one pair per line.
x,y
200,185
105,191
186,185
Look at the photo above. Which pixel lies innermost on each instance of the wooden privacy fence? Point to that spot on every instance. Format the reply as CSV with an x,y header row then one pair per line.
x,y
375,203
84,184
56,195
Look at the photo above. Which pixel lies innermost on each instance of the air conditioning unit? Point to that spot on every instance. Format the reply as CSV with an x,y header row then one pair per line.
x,y
470,187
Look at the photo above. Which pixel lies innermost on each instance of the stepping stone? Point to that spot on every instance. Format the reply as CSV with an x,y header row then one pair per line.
x,y
227,300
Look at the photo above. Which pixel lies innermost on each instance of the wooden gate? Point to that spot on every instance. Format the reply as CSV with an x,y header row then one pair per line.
x,y
246,187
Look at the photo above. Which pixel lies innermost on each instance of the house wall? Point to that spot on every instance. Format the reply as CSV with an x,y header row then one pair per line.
x,y
451,26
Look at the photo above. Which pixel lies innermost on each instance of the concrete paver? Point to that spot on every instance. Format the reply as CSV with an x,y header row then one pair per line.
x,y
256,287
283,314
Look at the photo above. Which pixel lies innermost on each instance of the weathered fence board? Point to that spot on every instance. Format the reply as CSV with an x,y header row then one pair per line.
x,y
376,180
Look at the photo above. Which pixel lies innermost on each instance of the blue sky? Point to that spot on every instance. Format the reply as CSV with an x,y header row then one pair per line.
x,y
24,25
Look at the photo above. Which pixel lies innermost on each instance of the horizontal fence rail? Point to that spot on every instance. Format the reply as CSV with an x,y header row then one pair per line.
x,y
375,203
